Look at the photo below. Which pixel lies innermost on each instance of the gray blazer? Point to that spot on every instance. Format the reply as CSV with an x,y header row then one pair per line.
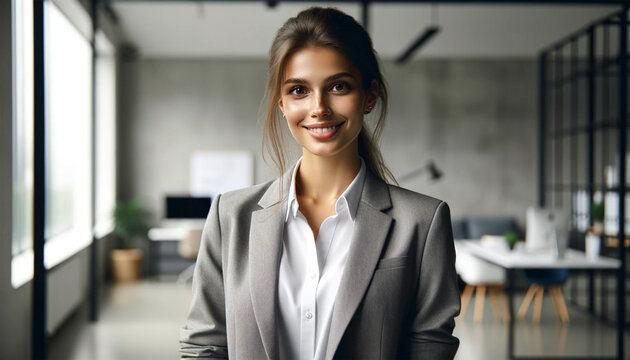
x,y
397,298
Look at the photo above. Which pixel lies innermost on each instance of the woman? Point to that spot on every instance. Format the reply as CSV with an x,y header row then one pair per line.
x,y
328,260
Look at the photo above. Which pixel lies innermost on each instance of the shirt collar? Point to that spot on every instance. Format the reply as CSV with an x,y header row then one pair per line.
x,y
350,197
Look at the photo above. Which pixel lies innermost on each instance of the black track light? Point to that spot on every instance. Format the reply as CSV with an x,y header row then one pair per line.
x,y
428,33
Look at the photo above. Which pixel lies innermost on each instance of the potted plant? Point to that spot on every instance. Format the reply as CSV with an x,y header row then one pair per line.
x,y
131,224
510,238
597,214
592,240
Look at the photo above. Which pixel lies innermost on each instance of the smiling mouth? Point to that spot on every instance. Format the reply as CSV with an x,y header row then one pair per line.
x,y
323,130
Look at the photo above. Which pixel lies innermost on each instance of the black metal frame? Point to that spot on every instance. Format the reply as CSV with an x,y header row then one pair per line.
x,y
498,2
93,272
39,187
622,123
558,128
365,15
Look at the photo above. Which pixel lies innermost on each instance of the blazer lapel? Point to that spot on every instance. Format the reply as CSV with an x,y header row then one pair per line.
x,y
371,229
265,249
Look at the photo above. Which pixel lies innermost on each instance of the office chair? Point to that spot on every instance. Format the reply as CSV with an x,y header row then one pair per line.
x,y
538,280
481,276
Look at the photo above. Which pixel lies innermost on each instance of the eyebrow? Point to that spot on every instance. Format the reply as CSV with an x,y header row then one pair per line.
x,y
328,79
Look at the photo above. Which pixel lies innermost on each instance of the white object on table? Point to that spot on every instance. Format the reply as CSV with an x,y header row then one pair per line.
x,y
546,229
593,243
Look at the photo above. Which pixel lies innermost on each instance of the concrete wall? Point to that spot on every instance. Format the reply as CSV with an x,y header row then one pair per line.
x,y
475,118
168,109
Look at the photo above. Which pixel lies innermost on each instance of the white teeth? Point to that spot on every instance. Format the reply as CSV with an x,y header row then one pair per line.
x,y
322,130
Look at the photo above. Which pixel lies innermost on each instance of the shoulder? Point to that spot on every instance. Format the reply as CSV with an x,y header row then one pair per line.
x,y
402,204
245,198
429,216
409,200
410,208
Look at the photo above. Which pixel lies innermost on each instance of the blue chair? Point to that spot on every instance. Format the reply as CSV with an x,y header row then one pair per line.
x,y
539,279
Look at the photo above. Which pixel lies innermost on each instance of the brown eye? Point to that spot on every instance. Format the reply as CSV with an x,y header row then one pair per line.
x,y
340,87
298,91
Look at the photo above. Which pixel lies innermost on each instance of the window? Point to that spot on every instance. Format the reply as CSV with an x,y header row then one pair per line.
x,y
105,166
68,101
22,199
22,126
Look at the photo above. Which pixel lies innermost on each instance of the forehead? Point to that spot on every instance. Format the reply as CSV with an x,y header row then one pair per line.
x,y
318,62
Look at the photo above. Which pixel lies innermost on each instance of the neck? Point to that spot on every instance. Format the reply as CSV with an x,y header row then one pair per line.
x,y
326,178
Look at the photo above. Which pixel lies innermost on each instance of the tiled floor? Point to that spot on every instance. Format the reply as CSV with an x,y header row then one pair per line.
x,y
142,321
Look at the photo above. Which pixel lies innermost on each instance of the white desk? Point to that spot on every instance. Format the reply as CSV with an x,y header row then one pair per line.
x,y
167,234
165,239
513,260
174,229
573,259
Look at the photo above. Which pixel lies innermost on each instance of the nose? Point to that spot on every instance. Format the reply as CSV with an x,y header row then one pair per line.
x,y
320,107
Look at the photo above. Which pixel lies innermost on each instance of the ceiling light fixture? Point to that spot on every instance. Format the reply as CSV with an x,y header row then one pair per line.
x,y
424,37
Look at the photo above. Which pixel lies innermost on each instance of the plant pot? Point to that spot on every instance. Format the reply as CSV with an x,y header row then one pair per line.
x,y
126,264
598,227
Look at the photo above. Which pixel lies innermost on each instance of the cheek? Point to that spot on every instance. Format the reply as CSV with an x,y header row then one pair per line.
x,y
292,124
294,112
350,106
293,119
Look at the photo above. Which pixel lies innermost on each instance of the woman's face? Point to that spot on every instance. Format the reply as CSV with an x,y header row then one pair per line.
x,y
323,101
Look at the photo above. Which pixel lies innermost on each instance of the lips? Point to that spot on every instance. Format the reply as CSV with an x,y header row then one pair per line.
x,y
322,131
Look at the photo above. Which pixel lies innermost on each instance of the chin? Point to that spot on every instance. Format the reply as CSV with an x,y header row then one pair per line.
x,y
326,150
322,153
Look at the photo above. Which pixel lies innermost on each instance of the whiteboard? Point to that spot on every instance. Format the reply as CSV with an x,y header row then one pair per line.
x,y
216,172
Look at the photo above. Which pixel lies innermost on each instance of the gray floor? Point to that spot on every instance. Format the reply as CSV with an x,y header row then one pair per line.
x,y
137,321
141,321
584,336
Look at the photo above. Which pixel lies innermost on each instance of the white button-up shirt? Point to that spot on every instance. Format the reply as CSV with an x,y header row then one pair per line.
x,y
310,272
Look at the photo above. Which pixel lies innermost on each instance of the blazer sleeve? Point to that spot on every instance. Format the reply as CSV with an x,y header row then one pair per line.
x,y
437,298
204,334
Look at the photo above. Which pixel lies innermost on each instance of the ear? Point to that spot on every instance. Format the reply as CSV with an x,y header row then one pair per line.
x,y
372,95
280,105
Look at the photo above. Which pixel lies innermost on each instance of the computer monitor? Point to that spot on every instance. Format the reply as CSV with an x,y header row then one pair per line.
x,y
186,207
547,229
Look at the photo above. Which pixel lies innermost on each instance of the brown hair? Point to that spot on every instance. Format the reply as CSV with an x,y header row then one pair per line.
x,y
327,27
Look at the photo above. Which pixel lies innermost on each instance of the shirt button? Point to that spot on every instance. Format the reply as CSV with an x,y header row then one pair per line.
x,y
309,315
313,276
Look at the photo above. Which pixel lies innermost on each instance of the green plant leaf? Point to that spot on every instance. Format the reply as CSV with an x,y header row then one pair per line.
x,y
510,237
131,221
597,211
